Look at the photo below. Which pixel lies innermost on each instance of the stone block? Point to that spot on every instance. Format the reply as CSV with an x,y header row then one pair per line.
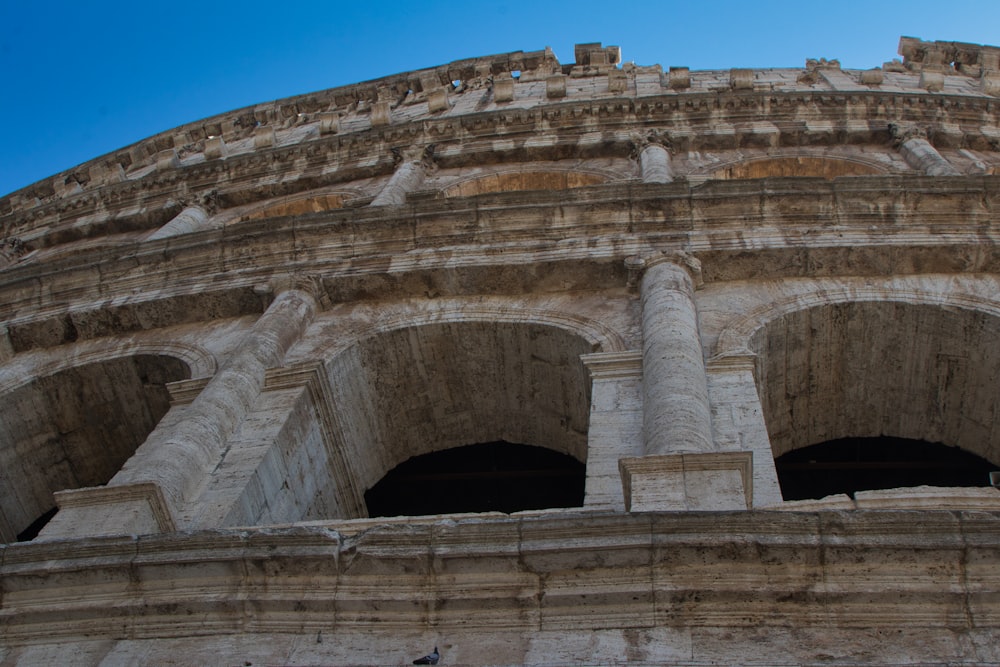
x,y
932,81
263,137
741,78
872,77
679,78
991,83
437,100
716,481
617,81
167,159
380,114
503,89
215,148
555,86
329,122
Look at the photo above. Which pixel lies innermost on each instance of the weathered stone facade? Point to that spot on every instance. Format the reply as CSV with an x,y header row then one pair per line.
x,y
216,340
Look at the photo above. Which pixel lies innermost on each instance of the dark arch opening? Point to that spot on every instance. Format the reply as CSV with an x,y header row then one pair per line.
x,y
487,477
849,465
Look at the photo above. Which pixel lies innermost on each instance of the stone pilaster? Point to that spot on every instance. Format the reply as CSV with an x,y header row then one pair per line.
x,y
170,466
615,429
191,219
409,174
912,143
738,420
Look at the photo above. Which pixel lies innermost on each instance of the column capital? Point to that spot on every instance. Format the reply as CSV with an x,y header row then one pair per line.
x,y
902,132
637,265
732,361
640,141
604,365
419,154
309,284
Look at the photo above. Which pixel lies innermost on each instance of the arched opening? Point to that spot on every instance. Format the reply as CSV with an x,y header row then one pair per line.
x,y
417,390
871,370
76,428
849,465
488,477
523,180
816,167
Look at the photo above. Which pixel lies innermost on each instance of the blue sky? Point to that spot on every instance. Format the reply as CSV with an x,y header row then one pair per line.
x,y
80,79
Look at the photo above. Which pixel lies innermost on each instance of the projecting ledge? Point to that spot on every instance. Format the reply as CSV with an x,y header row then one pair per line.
x,y
716,481
127,509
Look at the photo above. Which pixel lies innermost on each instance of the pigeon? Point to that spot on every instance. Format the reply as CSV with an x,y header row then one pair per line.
x,y
429,659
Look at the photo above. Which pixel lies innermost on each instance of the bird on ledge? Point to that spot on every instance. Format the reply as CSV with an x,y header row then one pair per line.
x,y
429,659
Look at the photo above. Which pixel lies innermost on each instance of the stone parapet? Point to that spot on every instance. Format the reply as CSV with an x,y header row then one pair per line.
x,y
713,580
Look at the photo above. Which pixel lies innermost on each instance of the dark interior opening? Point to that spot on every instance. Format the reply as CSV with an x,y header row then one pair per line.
x,y
31,532
488,477
850,465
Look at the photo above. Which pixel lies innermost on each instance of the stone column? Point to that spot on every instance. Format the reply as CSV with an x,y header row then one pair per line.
x,y
655,162
683,468
169,467
676,415
191,219
653,152
911,141
408,176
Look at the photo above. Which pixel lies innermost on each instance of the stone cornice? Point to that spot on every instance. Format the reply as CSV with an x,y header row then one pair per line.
x,y
737,229
686,115
454,573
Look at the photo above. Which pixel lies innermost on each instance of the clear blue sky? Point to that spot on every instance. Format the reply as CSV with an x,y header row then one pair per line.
x,y
79,79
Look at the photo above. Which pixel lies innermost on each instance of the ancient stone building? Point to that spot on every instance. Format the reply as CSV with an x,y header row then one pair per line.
x,y
539,363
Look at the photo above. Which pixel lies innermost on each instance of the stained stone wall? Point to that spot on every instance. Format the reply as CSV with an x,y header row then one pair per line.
x,y
213,342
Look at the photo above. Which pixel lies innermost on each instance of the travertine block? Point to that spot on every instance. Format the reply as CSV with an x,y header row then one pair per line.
x,y
555,86
167,159
380,113
697,482
329,123
215,148
617,81
932,81
991,83
503,88
741,79
437,100
263,137
872,77
679,78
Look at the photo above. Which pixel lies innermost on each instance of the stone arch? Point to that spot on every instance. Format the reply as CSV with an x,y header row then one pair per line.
x,y
75,426
735,337
526,178
412,387
42,363
867,363
301,203
599,335
796,165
